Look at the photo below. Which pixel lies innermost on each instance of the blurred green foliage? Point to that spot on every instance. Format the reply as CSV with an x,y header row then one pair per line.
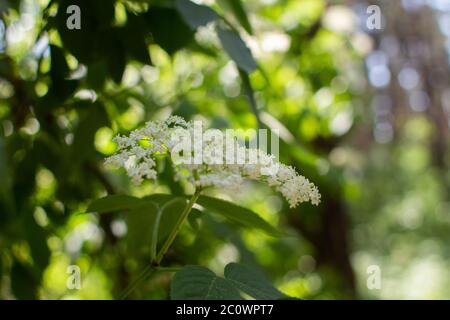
x,y
234,64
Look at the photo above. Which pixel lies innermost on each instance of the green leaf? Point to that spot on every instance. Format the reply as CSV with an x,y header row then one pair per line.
x,y
133,37
149,220
194,219
171,212
196,282
165,221
237,9
236,49
113,203
154,243
155,213
200,283
251,282
168,29
140,222
195,15
237,214
159,198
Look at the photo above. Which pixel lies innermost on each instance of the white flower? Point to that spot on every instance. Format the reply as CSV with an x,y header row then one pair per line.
x,y
218,167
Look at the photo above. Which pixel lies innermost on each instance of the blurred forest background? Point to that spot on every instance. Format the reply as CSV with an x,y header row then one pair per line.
x,y
363,113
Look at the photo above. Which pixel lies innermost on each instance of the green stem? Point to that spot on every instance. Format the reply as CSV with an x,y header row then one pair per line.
x,y
177,227
156,227
151,268
144,274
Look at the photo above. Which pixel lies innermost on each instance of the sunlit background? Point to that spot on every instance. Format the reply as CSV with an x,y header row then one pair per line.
x,y
364,113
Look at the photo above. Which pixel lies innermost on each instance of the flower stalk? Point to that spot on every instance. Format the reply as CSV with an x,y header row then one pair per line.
x,y
177,227
154,265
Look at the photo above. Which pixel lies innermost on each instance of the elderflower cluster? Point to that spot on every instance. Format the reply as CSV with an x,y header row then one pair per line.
x,y
221,164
